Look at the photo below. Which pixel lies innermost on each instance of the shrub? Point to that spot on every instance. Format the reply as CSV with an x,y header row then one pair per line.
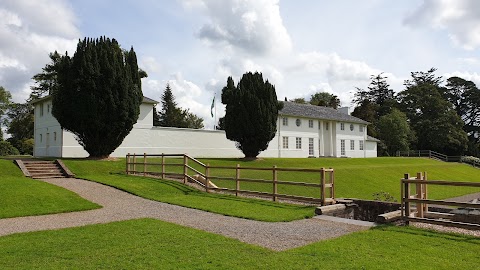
x,y
7,149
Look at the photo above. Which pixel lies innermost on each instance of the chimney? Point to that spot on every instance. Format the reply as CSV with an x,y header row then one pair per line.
x,y
345,110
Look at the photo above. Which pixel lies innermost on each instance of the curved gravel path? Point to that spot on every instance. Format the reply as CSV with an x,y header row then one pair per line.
x,y
119,205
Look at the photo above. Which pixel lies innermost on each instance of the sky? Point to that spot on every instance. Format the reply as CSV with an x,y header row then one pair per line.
x,y
302,46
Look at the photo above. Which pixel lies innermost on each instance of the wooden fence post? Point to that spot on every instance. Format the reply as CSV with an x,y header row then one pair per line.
x,y
425,192
185,169
144,164
274,183
332,180
127,164
322,186
134,163
207,176
406,196
163,166
237,181
419,195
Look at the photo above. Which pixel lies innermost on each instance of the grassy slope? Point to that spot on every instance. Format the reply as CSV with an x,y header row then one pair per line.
x,y
21,196
361,177
111,173
151,244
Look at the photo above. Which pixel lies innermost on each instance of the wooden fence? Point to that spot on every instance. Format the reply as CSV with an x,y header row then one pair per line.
x,y
421,213
186,168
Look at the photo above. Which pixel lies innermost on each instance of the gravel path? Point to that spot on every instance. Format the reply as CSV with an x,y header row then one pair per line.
x,y
119,205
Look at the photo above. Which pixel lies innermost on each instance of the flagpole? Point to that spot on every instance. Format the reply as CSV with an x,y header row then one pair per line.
x,y
215,124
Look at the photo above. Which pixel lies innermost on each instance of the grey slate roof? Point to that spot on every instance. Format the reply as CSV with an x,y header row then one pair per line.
x,y
149,100
317,112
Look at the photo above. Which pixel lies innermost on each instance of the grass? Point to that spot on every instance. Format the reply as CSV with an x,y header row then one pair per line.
x,y
355,178
111,173
361,177
22,196
152,244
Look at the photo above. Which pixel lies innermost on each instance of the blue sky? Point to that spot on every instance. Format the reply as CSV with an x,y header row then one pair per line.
x,y
301,46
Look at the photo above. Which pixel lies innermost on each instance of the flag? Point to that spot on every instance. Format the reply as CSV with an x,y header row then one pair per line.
x,y
213,105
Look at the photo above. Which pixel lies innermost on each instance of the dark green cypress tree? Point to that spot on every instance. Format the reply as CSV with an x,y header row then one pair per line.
x,y
170,115
251,113
99,94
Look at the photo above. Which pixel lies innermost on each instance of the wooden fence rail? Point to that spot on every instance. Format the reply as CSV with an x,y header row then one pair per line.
x,y
202,175
421,211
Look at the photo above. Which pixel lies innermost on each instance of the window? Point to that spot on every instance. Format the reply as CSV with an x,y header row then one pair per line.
x,y
361,145
342,126
351,127
352,145
41,138
285,121
298,143
326,126
319,125
360,128
48,108
298,122
310,123
342,147
285,142
55,136
41,109
310,147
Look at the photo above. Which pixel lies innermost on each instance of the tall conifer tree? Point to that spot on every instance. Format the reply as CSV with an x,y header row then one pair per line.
x,y
251,113
98,95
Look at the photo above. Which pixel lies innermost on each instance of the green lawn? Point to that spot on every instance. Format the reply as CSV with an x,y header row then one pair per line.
x,y
152,244
22,196
111,173
357,178
361,177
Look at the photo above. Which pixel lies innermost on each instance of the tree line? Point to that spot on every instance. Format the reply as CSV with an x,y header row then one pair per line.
x,y
428,114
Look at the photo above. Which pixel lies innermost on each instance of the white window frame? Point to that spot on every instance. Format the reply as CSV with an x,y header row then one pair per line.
x,y
285,142
285,121
326,125
298,143
352,145
342,147
361,145
360,128
342,126
310,123
311,150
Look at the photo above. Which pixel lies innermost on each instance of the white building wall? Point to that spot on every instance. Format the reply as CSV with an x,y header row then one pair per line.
x,y
47,131
50,140
349,135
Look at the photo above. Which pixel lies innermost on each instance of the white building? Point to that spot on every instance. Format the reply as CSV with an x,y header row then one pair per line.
x,y
302,131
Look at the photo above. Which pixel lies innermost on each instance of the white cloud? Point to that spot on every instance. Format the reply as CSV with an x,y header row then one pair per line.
x,y
253,26
461,18
29,31
469,76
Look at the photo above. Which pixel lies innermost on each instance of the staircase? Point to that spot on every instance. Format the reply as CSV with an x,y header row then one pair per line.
x,y
40,169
